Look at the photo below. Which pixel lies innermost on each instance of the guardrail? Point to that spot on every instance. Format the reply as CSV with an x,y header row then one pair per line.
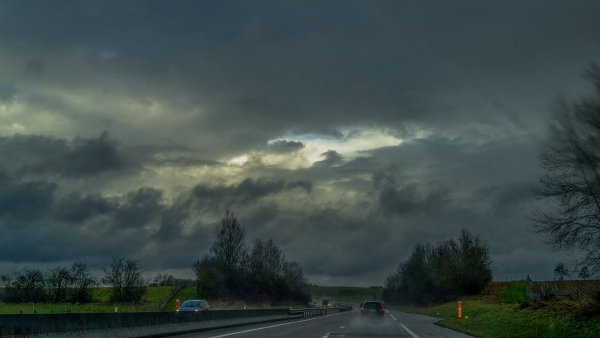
x,y
309,312
26,324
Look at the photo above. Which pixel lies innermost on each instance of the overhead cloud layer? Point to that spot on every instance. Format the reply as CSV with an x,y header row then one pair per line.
x,y
345,131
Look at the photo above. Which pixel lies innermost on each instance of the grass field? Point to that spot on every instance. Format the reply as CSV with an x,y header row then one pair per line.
x,y
503,312
151,302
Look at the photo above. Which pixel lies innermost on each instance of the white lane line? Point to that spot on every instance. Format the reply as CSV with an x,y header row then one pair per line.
x,y
409,331
392,316
341,327
272,326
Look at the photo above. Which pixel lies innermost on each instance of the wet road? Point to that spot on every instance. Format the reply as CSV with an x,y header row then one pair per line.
x,y
340,325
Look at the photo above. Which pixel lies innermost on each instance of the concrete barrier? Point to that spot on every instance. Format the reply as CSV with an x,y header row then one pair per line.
x,y
24,324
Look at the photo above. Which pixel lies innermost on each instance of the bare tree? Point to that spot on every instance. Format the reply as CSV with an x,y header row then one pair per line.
x,y
82,282
584,273
125,278
59,280
560,271
571,184
229,246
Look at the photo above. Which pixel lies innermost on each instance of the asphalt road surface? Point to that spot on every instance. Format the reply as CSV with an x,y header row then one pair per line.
x,y
340,325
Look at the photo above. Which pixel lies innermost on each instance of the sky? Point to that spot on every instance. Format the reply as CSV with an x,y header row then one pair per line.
x,y
346,131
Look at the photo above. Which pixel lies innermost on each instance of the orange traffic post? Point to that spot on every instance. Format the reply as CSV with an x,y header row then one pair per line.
x,y
177,305
459,310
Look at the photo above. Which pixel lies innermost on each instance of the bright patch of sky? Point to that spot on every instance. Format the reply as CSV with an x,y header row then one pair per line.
x,y
350,146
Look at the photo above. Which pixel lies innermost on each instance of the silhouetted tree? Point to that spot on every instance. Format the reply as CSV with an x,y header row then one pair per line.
x,y
442,272
571,159
59,280
125,278
560,271
82,282
261,274
584,273
229,246
163,279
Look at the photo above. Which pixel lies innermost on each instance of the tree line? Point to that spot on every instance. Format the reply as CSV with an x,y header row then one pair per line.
x,y
75,284
441,272
55,285
257,274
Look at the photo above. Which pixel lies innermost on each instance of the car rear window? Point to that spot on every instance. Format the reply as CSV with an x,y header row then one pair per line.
x,y
372,305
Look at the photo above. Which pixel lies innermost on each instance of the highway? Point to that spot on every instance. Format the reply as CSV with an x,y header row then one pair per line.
x,y
340,325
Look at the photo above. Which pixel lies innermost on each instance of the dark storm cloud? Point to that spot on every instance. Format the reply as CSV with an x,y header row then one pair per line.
x,y
284,146
405,198
184,86
363,62
26,201
139,208
8,94
76,159
246,192
76,209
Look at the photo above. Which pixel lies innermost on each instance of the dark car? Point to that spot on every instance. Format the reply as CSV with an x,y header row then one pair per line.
x,y
194,305
372,309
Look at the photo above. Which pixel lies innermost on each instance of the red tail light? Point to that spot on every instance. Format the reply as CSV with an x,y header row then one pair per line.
x,y
382,309
362,308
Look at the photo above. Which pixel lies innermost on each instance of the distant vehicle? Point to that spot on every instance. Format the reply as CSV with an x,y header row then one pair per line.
x,y
372,309
327,302
194,305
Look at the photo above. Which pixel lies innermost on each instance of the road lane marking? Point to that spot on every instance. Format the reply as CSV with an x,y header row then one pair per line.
x,y
392,316
409,331
341,327
272,326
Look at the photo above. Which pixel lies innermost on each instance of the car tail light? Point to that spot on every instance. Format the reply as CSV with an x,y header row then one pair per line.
x,y
362,308
382,309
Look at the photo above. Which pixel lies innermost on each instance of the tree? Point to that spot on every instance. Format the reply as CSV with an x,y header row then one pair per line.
x,y
82,282
59,280
229,246
163,279
125,278
571,184
440,273
560,271
584,273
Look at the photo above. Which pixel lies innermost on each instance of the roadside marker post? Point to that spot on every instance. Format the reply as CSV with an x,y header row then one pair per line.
x,y
459,310
177,305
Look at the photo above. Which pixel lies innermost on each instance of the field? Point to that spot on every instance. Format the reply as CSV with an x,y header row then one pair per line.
x,y
575,290
502,311
151,302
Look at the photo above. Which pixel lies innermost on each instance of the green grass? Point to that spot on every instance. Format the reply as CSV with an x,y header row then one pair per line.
x,y
504,313
515,293
345,294
186,293
101,303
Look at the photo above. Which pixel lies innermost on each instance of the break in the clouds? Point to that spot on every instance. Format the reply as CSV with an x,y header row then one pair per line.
x,y
346,131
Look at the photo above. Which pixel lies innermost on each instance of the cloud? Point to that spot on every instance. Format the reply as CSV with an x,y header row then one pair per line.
x,y
284,146
248,191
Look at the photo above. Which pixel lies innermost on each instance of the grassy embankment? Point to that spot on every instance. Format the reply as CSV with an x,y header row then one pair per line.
x,y
101,303
502,311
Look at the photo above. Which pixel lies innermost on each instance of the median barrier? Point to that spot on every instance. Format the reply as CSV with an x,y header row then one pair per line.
x,y
25,324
